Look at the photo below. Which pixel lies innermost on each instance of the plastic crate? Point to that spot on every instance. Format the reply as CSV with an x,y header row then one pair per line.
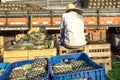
x,y
20,63
114,74
116,65
96,74
4,66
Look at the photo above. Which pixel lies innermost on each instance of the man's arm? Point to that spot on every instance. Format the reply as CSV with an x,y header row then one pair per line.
x,y
62,30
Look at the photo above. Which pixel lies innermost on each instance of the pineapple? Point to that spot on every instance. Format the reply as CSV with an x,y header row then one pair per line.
x,y
34,71
17,73
62,68
71,67
37,73
39,63
80,66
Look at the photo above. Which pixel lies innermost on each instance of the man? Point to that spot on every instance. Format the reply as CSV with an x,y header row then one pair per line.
x,y
79,3
72,28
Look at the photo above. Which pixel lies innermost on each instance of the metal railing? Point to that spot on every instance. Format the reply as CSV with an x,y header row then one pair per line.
x,y
24,20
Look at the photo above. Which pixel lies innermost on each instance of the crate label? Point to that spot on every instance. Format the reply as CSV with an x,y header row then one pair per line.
x,y
102,22
57,22
1,23
17,23
109,22
34,22
91,22
45,22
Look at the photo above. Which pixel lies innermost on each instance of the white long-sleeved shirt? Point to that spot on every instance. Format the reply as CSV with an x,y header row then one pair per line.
x,y
72,27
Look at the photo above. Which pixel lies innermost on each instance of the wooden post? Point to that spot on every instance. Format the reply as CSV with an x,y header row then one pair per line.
x,y
1,44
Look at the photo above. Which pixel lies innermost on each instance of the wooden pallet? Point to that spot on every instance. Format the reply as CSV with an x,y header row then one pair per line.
x,y
92,34
100,53
96,35
45,53
1,41
62,50
57,37
12,56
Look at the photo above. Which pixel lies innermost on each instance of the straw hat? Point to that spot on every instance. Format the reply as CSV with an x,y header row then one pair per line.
x,y
71,7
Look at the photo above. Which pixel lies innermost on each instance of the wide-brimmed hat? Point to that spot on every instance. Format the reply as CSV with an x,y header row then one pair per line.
x,y
71,7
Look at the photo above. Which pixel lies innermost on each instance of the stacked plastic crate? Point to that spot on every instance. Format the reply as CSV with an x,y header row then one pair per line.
x,y
35,69
3,67
114,74
76,66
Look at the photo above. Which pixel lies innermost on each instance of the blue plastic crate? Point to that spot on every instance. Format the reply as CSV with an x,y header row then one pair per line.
x,y
97,74
20,63
4,66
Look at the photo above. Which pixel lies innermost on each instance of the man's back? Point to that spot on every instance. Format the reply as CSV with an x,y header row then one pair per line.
x,y
74,29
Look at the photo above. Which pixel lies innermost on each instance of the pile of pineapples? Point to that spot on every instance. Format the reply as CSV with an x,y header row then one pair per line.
x,y
34,71
71,67
34,40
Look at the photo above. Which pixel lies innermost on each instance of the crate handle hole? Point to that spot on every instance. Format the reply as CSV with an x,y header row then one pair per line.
x,y
67,60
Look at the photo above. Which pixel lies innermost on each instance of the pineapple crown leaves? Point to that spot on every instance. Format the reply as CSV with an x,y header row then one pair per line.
x,y
62,66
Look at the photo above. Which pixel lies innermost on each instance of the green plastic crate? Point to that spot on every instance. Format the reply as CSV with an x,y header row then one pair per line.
x,y
115,65
114,74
